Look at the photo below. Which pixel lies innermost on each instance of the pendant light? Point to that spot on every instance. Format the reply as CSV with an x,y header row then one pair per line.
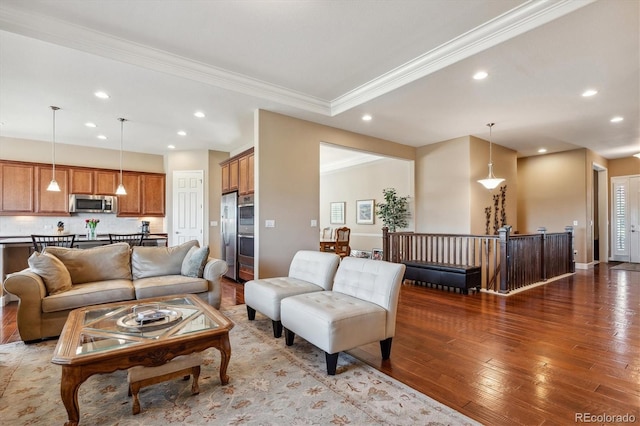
x,y
53,185
121,190
490,182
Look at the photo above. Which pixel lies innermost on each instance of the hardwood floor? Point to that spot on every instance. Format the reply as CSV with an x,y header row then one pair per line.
x,y
539,357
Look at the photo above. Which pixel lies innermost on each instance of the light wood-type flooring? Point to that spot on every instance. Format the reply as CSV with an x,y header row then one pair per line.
x,y
540,357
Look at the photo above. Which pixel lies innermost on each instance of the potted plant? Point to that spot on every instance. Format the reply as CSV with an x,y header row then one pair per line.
x,y
394,212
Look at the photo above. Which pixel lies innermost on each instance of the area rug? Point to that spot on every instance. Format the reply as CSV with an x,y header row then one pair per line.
x,y
270,384
628,267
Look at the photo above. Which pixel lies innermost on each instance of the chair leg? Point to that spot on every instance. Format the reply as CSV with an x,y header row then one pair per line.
x,y
385,348
332,363
251,313
288,337
277,328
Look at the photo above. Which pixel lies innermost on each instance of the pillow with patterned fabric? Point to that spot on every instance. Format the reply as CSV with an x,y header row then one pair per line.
x,y
194,261
55,275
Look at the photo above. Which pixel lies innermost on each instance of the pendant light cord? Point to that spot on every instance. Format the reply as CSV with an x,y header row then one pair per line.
x,y
121,137
53,146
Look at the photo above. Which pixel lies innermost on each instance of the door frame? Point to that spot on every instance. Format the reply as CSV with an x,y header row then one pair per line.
x,y
602,204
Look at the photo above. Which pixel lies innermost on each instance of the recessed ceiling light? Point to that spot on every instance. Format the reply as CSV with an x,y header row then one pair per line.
x,y
367,117
101,95
182,133
102,137
89,124
199,114
171,146
480,75
616,119
542,150
589,92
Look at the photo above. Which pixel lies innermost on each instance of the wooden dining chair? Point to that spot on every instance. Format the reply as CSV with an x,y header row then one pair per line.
x,y
342,248
132,239
42,241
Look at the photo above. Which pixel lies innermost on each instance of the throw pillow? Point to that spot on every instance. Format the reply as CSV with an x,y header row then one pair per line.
x,y
194,261
158,261
55,275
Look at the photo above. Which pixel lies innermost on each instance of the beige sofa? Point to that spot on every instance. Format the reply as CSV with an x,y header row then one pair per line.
x,y
67,279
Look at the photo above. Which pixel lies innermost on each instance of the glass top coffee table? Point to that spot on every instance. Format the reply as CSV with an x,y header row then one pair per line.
x,y
150,332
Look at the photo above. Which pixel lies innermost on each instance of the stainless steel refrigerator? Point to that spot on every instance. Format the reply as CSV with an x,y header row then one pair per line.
x,y
229,232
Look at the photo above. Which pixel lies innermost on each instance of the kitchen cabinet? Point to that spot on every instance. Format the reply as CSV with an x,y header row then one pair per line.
x,y
145,195
48,202
153,189
106,182
81,181
17,182
233,175
93,182
245,174
23,189
130,204
237,173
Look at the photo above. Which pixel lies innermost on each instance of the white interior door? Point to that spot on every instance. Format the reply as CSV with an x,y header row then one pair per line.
x,y
634,219
188,206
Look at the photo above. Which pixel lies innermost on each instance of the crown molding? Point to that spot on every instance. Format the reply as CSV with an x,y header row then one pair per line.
x,y
510,24
517,21
77,37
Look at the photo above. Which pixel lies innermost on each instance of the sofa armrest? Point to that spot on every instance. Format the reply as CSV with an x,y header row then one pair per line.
x,y
30,288
213,272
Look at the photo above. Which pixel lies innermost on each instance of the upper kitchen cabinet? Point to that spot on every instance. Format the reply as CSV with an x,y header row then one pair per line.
x,y
153,189
145,195
106,182
92,182
48,202
237,173
17,182
245,174
130,204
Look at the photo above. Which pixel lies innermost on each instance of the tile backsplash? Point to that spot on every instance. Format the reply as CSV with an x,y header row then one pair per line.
x,y
75,224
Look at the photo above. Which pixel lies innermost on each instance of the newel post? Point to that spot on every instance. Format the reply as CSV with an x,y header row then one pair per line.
x,y
385,243
504,233
543,243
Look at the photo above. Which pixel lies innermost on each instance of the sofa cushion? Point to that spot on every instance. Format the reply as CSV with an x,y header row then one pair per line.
x,y
167,285
109,262
86,294
157,261
194,261
53,272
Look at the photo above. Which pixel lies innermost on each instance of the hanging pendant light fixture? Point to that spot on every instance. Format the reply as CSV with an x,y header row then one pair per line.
x,y
53,185
490,182
121,190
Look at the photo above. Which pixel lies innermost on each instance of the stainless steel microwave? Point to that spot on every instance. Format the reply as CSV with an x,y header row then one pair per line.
x,y
81,203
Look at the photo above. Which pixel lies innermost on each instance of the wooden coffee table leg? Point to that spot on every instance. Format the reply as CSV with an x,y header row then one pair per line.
x,y
69,385
225,355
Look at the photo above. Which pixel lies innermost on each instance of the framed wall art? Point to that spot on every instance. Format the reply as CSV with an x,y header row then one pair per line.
x,y
364,212
337,213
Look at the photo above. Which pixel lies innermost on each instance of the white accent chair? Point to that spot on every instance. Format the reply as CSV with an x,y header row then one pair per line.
x,y
360,309
310,271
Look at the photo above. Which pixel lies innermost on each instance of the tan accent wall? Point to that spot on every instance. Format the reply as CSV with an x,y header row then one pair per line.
x,y
442,187
75,155
287,156
449,198
505,165
628,166
553,193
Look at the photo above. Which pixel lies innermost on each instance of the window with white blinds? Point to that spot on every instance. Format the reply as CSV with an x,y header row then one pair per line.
x,y
620,216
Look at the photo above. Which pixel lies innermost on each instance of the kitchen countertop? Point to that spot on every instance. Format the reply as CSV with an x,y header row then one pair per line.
x,y
80,238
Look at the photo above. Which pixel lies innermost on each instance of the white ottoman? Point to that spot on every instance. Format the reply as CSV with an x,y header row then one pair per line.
x,y
181,366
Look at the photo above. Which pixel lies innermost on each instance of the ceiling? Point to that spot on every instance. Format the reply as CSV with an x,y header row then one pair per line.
x,y
409,64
